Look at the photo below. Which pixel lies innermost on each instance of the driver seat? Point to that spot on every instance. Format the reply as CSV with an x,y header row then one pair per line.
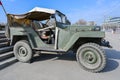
x,y
44,35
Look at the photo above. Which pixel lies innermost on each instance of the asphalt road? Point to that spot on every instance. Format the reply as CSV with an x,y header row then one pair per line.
x,y
65,67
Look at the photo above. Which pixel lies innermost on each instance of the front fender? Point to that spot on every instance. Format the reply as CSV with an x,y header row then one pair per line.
x,y
85,34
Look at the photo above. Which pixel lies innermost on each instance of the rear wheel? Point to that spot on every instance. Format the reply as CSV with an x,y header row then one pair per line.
x,y
23,51
91,57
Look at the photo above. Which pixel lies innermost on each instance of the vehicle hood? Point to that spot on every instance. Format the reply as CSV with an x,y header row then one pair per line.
x,y
81,28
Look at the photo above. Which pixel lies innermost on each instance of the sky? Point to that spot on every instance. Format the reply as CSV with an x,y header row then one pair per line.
x,y
89,10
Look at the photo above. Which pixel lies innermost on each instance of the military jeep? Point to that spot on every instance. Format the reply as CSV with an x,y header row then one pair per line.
x,y
50,32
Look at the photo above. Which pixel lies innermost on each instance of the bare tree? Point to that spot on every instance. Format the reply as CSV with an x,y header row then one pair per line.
x,y
81,22
91,23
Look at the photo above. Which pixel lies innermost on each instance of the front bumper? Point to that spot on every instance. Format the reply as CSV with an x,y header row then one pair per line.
x,y
105,43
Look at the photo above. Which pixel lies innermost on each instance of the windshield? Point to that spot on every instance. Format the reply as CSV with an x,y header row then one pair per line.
x,y
61,18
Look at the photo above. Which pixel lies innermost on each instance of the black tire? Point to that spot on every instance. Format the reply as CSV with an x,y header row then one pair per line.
x,y
23,51
91,57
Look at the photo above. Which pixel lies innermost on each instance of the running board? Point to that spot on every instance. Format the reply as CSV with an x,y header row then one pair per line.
x,y
48,50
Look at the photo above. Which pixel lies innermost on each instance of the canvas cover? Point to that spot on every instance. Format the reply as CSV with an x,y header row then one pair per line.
x,y
36,13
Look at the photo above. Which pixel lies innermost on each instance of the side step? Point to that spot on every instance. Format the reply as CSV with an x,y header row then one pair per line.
x,y
7,62
48,49
5,56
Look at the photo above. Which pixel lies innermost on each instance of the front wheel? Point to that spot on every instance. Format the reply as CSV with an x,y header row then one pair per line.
x,y
91,57
23,51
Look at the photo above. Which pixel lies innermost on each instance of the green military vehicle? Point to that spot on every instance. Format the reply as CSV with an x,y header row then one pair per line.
x,y
49,31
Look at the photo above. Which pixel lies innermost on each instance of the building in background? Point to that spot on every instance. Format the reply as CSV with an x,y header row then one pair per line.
x,y
91,23
83,22
111,23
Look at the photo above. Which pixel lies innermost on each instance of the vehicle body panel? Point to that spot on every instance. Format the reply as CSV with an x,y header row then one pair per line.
x,y
33,37
66,38
66,35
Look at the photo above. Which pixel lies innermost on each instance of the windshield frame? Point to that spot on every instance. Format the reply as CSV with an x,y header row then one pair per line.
x,y
62,17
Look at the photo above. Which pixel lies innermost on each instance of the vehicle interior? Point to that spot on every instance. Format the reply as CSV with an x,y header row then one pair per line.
x,y
42,22
45,29
44,26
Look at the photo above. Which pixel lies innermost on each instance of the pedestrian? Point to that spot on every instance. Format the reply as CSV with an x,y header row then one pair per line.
x,y
113,30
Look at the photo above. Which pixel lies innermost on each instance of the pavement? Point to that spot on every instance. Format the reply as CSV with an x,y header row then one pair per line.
x,y
65,67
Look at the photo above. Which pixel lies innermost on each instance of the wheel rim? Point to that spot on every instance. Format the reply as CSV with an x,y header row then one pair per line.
x,y
90,59
22,52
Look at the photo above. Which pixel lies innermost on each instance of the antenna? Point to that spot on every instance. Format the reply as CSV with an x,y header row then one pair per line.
x,y
3,7
7,30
